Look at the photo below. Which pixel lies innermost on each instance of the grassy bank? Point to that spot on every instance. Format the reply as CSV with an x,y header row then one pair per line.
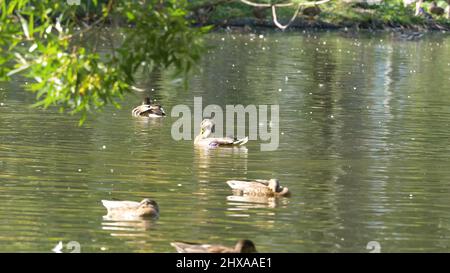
x,y
335,14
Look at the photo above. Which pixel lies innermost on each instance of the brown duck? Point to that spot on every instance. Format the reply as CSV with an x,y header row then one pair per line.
x,y
130,209
148,109
242,246
259,187
207,128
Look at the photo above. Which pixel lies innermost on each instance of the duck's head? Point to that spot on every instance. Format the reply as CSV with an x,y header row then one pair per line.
x,y
148,207
207,127
245,246
284,192
274,184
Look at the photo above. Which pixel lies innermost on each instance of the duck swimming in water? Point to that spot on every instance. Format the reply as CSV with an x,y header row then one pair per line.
x,y
242,246
207,127
148,109
259,187
130,209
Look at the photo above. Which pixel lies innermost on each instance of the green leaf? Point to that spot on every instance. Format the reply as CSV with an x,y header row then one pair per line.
x,y
24,24
130,16
31,25
3,10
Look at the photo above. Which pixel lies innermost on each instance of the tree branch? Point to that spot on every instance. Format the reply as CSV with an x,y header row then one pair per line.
x,y
275,20
208,4
284,4
265,5
275,6
98,21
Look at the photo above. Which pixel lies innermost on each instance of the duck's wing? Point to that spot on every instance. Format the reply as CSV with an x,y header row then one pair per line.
x,y
242,184
157,110
241,141
223,140
141,110
229,141
262,181
120,204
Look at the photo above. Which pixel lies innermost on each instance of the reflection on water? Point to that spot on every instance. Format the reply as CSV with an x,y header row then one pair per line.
x,y
205,159
364,147
124,227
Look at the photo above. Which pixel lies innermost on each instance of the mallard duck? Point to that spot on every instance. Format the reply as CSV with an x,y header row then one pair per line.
x,y
131,209
259,187
242,246
148,109
435,9
207,127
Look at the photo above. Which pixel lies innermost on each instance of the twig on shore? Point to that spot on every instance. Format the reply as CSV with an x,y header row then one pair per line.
x,y
284,4
275,20
274,10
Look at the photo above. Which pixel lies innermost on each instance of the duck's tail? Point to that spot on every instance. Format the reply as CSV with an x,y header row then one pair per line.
x,y
180,246
241,142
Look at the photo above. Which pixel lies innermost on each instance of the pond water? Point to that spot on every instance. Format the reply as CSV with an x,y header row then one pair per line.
x,y
364,147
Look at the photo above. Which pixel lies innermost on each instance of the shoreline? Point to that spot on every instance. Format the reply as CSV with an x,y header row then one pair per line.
x,y
249,24
332,16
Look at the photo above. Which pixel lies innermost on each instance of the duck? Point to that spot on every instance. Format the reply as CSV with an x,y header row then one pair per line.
x,y
259,187
147,208
148,109
435,9
207,127
242,246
